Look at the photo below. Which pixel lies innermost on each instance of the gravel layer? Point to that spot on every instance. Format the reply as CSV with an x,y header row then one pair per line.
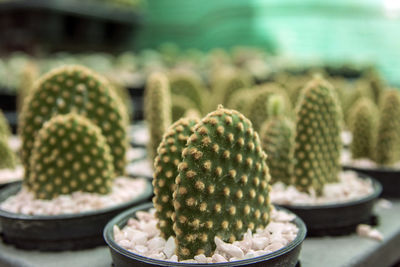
x,y
139,134
140,168
350,187
11,175
141,236
135,153
14,142
124,189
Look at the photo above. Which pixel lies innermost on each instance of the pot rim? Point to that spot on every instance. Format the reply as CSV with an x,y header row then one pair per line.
x,y
375,194
122,219
148,191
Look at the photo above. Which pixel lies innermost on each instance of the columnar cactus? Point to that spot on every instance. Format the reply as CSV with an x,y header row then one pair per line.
x,y
317,139
388,139
277,139
231,82
165,165
222,187
5,130
7,156
362,123
75,89
28,76
157,101
180,104
69,154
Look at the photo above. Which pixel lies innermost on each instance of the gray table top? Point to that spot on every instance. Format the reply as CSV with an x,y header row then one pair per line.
x,y
349,250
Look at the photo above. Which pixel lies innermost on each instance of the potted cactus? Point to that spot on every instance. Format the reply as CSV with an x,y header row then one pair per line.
x,y
376,140
211,186
73,132
305,160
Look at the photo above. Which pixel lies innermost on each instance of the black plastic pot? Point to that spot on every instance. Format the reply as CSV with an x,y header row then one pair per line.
x,y
59,232
389,179
338,218
287,256
3,185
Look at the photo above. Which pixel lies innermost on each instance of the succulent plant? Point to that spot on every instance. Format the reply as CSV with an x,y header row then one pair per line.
x,y
75,89
317,139
240,99
69,154
7,156
5,130
362,123
28,76
166,170
388,137
157,101
180,104
222,187
277,139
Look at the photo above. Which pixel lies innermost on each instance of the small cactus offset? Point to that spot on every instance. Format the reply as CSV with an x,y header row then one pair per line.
x,y
75,89
362,123
7,156
317,139
165,165
388,137
157,101
277,139
69,154
222,188
5,130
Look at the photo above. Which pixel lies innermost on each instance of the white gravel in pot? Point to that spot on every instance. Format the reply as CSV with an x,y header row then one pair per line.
x,y
139,134
141,236
135,153
14,142
140,168
350,187
364,163
124,189
11,175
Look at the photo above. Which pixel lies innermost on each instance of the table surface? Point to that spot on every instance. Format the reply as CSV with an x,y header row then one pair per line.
x,y
351,250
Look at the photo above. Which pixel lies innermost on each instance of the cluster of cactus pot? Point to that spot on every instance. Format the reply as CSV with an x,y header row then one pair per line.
x,y
211,179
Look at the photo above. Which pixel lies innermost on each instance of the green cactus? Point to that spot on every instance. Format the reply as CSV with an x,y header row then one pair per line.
x,y
7,156
277,139
28,76
157,101
317,139
257,107
5,130
189,85
165,164
362,124
222,187
388,137
69,154
240,99
75,89
180,104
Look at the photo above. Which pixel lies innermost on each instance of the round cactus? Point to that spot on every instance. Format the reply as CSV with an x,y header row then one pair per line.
x,y
222,187
69,154
7,156
157,101
277,139
317,140
165,165
388,136
5,130
362,124
75,89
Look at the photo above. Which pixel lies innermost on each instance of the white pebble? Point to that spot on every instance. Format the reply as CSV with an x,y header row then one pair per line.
x,y
169,247
218,258
365,230
201,258
260,243
229,248
141,249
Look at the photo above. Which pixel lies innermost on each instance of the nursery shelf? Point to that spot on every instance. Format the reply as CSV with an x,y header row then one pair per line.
x,y
327,251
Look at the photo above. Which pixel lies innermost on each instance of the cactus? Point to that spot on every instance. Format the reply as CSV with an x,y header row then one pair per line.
x,y
165,165
157,101
75,89
28,76
222,187
317,139
277,139
180,104
7,156
240,99
257,107
69,154
388,136
362,123
5,130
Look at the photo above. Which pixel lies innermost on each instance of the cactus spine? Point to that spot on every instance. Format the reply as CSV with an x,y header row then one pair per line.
x,y
70,154
277,139
165,165
388,139
75,89
363,119
157,110
222,187
317,140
